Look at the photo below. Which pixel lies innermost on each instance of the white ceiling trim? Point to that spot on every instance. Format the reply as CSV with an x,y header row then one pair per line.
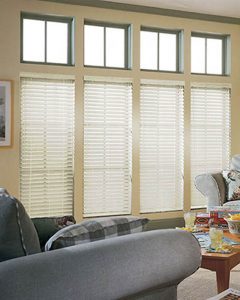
x,y
176,8
228,8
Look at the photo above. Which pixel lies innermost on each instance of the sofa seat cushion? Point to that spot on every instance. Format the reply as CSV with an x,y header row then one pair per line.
x,y
232,180
18,236
96,229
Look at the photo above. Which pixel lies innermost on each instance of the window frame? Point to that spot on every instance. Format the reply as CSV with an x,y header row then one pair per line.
x,y
48,18
225,60
127,42
179,48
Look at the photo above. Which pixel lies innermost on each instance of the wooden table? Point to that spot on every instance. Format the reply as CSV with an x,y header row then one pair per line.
x,y
222,263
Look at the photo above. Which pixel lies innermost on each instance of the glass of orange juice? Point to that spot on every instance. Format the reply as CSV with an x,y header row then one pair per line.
x,y
189,218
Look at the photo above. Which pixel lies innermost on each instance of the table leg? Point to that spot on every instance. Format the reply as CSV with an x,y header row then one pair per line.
x,y
223,276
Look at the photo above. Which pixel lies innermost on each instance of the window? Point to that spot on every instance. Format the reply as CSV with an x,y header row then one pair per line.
x,y
161,148
160,50
106,45
210,134
107,148
209,54
46,39
47,137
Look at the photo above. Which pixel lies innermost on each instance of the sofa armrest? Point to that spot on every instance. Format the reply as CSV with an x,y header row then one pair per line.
x,y
135,265
212,186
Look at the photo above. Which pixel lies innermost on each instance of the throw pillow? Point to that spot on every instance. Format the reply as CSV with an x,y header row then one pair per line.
x,y
232,180
93,230
48,226
18,236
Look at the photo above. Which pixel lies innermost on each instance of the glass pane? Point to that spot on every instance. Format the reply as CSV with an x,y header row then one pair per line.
x,y
33,40
115,46
93,45
198,55
149,49
57,42
214,56
167,51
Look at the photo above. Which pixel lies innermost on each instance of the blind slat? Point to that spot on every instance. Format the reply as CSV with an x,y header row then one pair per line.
x,y
107,148
47,137
210,134
161,148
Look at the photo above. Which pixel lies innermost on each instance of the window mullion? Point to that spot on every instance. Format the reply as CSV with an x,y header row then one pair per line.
x,y
206,55
105,46
158,41
45,41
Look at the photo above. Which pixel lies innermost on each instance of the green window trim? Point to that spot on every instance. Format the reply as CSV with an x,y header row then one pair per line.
x,y
48,18
179,48
225,52
127,43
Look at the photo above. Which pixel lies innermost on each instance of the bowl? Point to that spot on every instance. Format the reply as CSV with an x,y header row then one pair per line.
x,y
233,226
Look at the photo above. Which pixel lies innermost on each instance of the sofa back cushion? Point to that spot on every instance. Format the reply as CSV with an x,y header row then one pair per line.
x,y
18,236
48,226
96,229
235,162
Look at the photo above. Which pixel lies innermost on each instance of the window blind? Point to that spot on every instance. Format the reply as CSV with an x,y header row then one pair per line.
x,y
161,147
210,134
47,138
107,148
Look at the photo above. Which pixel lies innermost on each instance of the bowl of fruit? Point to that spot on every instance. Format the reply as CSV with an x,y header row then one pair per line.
x,y
234,223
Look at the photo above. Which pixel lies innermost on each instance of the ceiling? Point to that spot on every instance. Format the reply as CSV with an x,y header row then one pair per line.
x,y
228,8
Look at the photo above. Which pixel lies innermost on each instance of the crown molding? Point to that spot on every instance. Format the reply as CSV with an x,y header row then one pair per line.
x,y
150,10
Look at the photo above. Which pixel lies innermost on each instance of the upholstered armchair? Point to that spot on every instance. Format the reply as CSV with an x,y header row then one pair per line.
x,y
216,189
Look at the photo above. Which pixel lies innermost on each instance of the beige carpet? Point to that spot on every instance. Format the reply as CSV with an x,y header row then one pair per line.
x,y
202,284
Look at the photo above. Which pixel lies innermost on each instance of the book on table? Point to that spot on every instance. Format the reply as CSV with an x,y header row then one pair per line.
x,y
205,241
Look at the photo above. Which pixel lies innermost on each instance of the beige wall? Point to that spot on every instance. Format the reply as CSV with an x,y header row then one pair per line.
x,y
10,68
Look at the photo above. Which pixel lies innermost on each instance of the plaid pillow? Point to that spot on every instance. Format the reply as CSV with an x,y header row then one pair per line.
x,y
93,230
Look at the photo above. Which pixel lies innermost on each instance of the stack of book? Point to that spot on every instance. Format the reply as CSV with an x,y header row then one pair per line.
x,y
219,213
216,216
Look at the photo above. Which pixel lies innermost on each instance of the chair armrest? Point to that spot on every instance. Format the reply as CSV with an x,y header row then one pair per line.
x,y
212,186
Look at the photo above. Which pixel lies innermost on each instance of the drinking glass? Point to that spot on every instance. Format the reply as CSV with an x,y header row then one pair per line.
x,y
216,236
189,218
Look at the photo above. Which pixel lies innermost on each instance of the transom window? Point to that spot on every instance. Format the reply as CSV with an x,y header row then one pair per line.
x,y
106,45
46,39
160,50
209,54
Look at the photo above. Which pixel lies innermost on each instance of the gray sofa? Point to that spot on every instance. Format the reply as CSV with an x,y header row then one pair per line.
x,y
213,186
146,265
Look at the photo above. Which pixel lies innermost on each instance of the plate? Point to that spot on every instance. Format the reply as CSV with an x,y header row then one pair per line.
x,y
193,230
210,250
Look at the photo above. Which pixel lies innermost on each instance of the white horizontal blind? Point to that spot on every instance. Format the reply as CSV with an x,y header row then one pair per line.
x,y
47,138
210,134
161,148
107,148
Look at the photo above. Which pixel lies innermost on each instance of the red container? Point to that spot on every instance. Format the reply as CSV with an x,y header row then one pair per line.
x,y
202,219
